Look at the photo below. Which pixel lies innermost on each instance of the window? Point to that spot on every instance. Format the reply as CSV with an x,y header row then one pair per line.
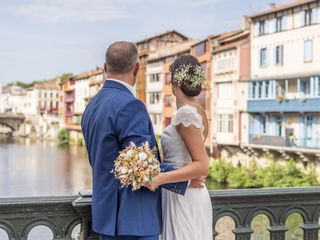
x,y
278,55
264,124
154,78
308,17
225,90
167,121
254,90
155,118
278,24
200,49
225,123
314,15
305,87
262,27
259,84
309,121
267,89
278,120
263,57
318,82
168,78
167,100
280,88
308,49
304,18
154,97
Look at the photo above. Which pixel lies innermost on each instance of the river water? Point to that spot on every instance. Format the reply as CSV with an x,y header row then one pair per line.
x,y
41,168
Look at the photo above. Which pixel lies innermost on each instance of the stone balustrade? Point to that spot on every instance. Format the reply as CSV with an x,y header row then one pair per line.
x,y
62,214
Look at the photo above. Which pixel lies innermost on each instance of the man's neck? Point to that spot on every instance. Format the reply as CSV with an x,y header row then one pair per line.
x,y
119,77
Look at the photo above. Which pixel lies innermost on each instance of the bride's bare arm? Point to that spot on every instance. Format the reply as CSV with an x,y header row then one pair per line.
x,y
192,138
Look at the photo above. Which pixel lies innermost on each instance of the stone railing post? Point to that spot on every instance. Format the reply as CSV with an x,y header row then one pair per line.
x,y
242,233
310,231
277,232
83,207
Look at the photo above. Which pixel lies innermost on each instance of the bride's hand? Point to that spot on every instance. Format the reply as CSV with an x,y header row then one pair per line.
x,y
156,182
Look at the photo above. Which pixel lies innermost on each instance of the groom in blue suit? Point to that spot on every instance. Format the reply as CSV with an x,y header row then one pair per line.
x,y
113,119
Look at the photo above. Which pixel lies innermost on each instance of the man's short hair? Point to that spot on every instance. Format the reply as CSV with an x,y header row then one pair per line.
x,y
121,57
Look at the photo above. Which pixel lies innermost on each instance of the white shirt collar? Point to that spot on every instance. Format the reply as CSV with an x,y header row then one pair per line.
x,y
130,88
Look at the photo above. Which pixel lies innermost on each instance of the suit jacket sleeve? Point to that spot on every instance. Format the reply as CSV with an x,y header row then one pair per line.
x,y
133,125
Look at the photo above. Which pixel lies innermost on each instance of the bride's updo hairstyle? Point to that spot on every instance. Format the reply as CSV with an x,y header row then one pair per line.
x,y
187,73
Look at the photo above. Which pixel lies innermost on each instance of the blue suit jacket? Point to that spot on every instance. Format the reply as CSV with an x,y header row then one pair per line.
x,y
113,119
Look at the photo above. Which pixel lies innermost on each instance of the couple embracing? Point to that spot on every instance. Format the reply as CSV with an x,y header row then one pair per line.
x,y
176,204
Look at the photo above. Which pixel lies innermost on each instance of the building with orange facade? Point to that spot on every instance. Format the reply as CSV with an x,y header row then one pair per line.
x,y
202,51
149,45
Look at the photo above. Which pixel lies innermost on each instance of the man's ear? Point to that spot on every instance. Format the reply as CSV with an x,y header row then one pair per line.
x,y
136,69
105,67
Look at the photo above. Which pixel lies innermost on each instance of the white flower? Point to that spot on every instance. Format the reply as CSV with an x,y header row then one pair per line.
x,y
129,153
142,156
124,170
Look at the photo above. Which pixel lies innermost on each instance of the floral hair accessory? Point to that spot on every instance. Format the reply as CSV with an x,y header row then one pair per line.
x,y
183,75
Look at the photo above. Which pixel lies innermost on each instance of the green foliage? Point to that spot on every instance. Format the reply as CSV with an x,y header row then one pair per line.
x,y
252,176
63,137
219,171
63,77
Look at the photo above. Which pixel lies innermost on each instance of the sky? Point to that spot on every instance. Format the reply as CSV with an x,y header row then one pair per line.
x,y
40,39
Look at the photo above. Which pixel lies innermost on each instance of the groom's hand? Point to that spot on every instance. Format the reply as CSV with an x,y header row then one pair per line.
x,y
198,182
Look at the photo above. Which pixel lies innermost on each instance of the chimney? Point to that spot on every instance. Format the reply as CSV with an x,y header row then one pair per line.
x,y
245,25
272,5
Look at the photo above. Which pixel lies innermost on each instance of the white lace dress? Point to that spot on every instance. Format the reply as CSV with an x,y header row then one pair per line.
x,y
187,217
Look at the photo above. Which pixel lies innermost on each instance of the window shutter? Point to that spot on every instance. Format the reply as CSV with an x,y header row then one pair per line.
x,y
314,132
267,57
250,90
302,18
275,55
308,50
281,55
267,27
274,25
314,14
312,81
257,26
302,129
284,23
316,86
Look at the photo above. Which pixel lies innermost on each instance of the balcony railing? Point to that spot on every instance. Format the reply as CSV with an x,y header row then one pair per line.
x,y
69,99
285,105
61,215
68,113
279,141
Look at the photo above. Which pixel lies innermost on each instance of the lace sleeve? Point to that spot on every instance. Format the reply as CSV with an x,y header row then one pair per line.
x,y
187,115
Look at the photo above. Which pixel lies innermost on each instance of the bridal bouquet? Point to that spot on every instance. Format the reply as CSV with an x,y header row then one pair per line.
x,y
136,166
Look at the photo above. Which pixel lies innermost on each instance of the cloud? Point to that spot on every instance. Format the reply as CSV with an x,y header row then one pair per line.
x,y
67,10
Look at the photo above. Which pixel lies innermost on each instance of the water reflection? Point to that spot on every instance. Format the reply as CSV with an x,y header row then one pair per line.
x,y
41,168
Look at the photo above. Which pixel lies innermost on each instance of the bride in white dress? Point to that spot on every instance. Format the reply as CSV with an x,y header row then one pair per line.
x,y
187,217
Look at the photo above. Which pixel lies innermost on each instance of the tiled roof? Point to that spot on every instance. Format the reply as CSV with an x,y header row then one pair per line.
x,y
230,40
47,85
160,35
169,51
88,74
283,7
